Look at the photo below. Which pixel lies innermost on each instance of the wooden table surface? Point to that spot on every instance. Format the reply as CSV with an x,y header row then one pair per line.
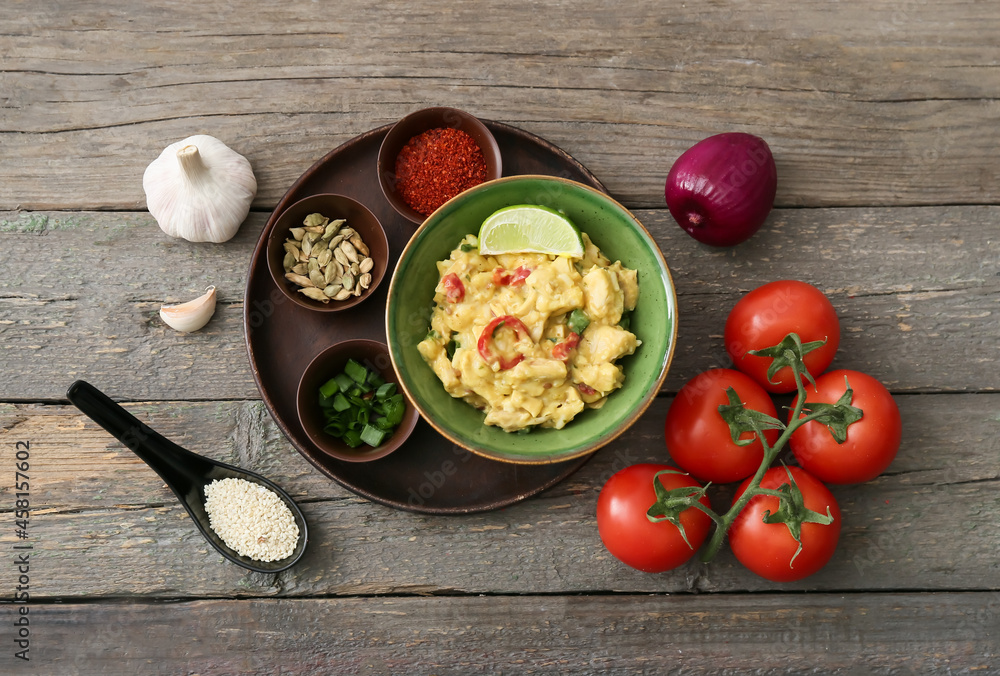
x,y
883,119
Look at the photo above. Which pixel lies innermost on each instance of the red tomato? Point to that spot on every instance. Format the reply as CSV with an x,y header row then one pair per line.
x,y
503,277
767,548
563,350
763,317
871,443
635,540
454,290
699,440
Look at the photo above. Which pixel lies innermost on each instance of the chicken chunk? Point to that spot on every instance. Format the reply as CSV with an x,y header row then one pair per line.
x,y
601,344
602,295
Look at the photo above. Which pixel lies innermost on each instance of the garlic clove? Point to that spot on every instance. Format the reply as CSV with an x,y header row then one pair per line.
x,y
192,315
199,189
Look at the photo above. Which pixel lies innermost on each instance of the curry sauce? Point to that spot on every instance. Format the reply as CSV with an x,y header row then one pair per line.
x,y
502,333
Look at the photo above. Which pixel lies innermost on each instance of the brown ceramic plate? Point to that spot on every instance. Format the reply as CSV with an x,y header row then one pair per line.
x,y
428,473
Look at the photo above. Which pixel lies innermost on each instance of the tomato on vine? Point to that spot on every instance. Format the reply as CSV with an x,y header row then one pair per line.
x,y
699,439
762,320
637,537
855,453
784,539
783,523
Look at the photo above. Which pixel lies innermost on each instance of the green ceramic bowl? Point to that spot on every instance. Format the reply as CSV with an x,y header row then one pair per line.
x,y
617,233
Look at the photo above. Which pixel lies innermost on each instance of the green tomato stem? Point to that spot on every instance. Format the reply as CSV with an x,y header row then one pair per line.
x,y
723,522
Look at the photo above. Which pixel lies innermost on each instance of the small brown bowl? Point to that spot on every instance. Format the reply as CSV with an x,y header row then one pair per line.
x,y
332,206
327,364
417,123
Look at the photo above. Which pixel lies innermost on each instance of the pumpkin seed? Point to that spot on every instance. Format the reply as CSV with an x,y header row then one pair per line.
x,y
366,265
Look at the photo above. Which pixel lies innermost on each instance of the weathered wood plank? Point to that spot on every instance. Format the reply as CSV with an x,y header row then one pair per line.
x,y
100,513
874,104
705,634
909,285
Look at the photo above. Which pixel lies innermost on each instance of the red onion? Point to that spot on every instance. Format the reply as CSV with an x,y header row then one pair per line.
x,y
722,188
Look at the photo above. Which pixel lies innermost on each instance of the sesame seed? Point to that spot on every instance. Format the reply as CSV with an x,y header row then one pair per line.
x,y
251,519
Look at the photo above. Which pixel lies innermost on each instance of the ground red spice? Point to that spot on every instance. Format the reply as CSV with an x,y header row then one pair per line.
x,y
436,165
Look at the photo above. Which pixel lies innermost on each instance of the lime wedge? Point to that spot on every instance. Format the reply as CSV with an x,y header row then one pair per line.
x,y
529,228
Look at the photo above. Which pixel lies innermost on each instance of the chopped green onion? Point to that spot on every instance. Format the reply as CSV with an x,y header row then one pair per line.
x,y
578,321
360,407
384,423
373,436
356,371
329,388
352,438
344,382
394,411
341,403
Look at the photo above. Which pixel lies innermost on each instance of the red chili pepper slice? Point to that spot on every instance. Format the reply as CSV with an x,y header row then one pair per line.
x,y
454,290
503,277
586,389
562,350
521,274
486,341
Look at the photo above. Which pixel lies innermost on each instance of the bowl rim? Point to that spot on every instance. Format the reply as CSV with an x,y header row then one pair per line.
x,y
633,415
491,153
399,436
308,303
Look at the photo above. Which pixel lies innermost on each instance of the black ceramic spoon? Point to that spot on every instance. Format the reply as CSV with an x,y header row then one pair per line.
x,y
185,472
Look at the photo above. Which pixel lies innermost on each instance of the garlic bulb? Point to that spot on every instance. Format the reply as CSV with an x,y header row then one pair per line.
x,y
192,315
199,189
